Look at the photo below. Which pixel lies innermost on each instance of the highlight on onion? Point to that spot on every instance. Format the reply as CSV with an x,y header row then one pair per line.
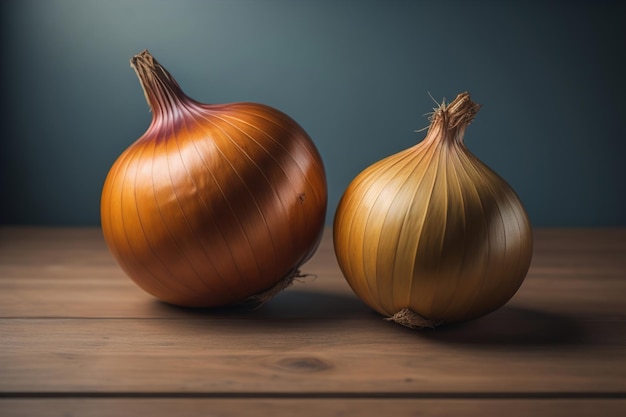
x,y
214,204
431,235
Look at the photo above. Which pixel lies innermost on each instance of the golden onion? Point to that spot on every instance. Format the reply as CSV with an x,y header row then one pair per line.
x,y
431,235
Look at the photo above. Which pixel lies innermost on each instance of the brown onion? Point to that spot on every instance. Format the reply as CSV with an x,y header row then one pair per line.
x,y
213,204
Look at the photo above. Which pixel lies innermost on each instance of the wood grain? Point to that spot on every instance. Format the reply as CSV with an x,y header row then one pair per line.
x,y
76,335
274,356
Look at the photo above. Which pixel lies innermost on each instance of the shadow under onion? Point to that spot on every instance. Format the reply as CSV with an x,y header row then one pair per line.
x,y
292,304
511,326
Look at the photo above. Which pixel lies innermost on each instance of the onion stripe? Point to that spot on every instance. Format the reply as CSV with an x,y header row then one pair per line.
x,y
257,209
218,237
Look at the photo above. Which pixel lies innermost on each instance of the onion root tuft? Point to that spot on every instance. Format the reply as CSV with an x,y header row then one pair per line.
x,y
406,317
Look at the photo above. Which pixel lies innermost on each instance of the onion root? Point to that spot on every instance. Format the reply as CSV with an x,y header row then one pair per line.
x,y
264,296
406,317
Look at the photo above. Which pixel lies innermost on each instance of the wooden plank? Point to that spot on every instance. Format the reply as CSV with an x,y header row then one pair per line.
x,y
593,298
311,407
27,252
81,252
69,273
267,356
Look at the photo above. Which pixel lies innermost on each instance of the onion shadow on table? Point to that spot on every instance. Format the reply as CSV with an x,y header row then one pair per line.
x,y
512,326
292,305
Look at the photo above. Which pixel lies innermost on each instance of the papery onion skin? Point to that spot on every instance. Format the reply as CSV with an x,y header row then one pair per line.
x,y
432,231
213,204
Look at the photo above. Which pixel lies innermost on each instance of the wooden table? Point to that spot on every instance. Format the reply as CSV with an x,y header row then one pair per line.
x,y
78,338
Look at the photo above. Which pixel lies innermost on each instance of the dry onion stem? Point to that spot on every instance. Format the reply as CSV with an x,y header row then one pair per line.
x,y
431,234
214,203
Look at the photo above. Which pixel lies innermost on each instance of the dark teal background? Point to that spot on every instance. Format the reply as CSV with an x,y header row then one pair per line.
x,y
355,74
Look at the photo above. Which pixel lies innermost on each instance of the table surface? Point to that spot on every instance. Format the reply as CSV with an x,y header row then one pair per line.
x,y
77,337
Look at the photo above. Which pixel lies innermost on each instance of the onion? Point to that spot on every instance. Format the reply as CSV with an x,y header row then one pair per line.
x,y
431,234
213,204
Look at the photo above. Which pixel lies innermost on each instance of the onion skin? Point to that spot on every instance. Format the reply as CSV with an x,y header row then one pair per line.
x,y
431,233
213,204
